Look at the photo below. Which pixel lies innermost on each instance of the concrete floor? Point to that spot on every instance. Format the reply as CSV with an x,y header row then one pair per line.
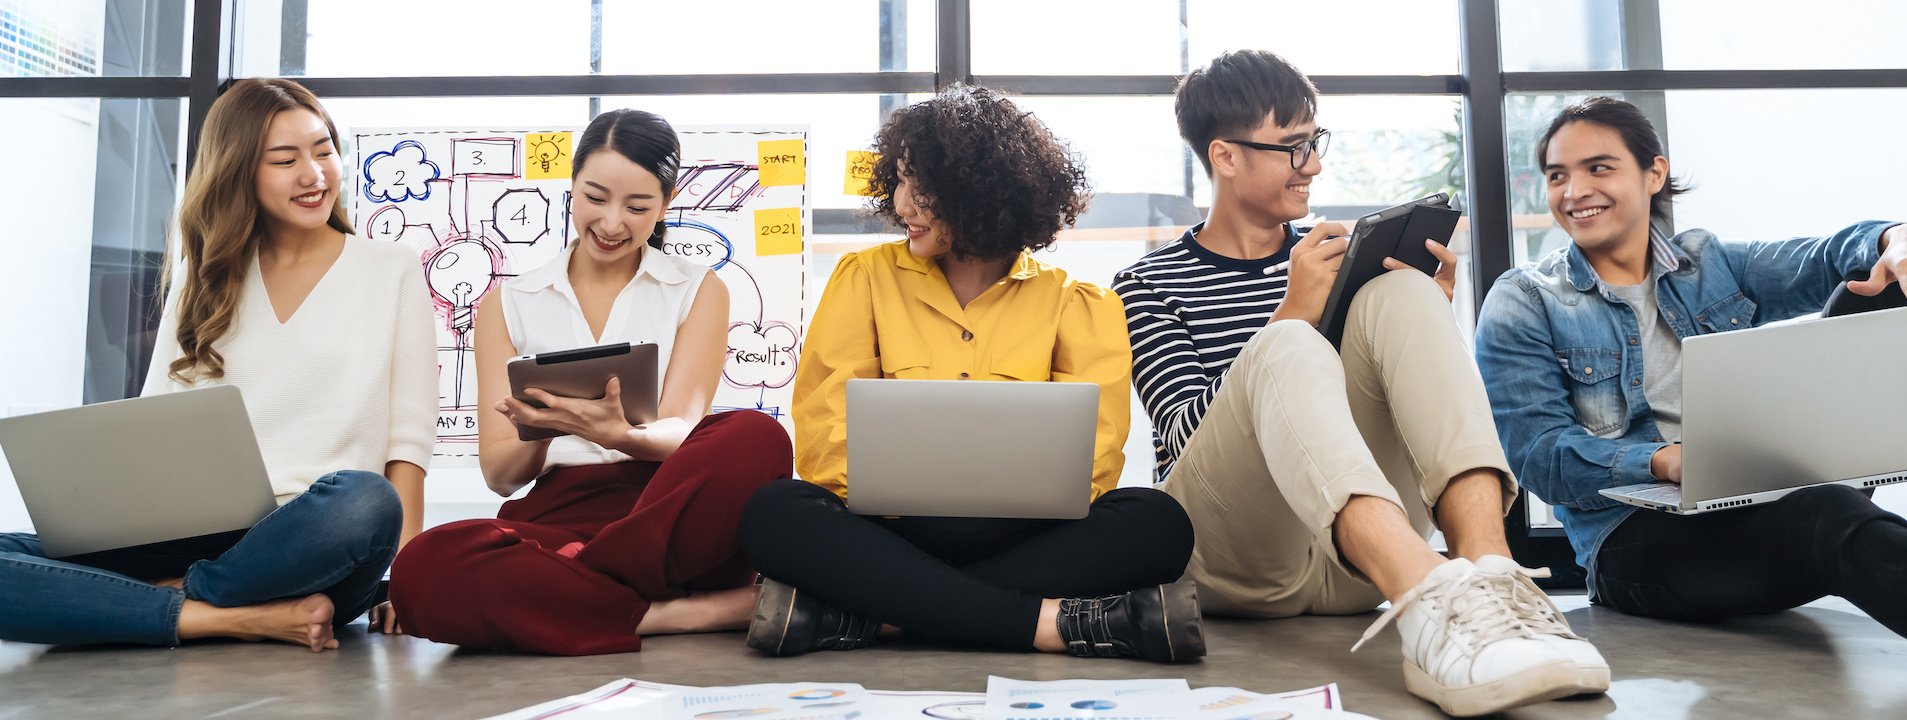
x,y
1825,660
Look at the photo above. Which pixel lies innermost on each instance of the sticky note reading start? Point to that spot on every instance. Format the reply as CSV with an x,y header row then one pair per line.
x,y
778,231
782,162
860,172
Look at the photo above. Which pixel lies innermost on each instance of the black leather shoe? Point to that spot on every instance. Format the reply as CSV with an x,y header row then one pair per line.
x,y
1157,623
791,622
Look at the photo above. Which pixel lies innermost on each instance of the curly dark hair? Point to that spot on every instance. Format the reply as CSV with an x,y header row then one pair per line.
x,y
992,174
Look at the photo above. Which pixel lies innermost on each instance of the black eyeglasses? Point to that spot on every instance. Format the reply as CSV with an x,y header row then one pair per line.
x,y
1300,153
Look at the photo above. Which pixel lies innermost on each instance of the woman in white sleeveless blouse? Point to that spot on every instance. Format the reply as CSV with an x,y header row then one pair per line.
x,y
626,530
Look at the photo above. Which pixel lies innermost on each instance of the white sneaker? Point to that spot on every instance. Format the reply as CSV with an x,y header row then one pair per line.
x,y
1465,649
1536,610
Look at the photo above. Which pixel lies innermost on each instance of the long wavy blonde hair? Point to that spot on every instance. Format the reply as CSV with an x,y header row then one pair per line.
x,y
220,226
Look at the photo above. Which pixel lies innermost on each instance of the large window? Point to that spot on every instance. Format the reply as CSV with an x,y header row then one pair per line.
x,y
91,183
768,36
1082,37
376,38
1559,35
1741,189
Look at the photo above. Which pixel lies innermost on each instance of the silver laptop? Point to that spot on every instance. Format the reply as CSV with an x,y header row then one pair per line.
x,y
1774,409
966,448
134,472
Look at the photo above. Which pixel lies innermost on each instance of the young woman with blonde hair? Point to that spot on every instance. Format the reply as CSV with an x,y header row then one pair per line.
x,y
329,340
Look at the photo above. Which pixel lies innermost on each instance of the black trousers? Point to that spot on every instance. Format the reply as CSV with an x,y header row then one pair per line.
x,y
1828,540
962,579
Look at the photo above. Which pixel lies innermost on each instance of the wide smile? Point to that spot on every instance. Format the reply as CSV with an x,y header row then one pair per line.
x,y
1586,213
607,245
312,200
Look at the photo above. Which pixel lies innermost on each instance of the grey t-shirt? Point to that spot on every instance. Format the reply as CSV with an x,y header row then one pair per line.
x,y
1661,357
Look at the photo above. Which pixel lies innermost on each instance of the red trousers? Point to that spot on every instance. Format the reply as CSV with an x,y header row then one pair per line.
x,y
571,568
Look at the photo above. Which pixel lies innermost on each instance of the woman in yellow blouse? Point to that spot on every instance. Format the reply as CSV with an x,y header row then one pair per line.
x,y
979,185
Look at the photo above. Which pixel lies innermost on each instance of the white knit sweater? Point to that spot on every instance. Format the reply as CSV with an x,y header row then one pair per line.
x,y
348,383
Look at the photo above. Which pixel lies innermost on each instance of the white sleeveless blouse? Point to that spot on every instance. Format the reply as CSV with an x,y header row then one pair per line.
x,y
542,314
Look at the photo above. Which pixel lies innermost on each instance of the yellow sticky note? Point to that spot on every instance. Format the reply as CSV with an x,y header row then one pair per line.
x,y
860,174
782,162
546,156
778,231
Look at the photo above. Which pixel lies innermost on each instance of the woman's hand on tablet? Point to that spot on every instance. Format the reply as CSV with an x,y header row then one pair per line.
x,y
1446,276
598,421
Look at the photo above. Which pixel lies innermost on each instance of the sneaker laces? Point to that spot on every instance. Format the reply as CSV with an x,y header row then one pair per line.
x,y
1533,606
1476,614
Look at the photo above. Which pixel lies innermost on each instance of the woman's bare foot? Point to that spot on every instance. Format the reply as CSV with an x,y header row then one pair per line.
x,y
706,612
305,621
177,582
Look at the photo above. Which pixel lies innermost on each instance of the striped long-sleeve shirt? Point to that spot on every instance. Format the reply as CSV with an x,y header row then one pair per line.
x,y
1189,310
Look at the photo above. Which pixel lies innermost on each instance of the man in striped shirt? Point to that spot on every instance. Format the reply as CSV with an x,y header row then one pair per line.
x,y
1313,476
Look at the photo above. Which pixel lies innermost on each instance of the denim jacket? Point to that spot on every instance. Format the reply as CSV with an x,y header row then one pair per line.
x,y
1562,360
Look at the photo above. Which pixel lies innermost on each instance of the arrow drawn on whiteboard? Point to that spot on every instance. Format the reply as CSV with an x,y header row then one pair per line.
x,y
761,352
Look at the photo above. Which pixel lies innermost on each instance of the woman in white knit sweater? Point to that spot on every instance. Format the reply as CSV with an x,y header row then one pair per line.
x,y
329,339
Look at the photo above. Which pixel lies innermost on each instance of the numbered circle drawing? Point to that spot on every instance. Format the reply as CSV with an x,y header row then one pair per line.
x,y
387,224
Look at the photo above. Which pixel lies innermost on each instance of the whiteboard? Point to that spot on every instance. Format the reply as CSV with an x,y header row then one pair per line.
x,y
480,206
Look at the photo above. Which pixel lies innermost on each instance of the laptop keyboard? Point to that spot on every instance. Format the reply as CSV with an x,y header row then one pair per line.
x,y
1664,493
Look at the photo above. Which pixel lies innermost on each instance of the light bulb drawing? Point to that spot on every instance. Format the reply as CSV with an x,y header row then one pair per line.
x,y
459,272
546,151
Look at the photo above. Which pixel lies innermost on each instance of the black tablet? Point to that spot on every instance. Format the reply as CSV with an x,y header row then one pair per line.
x,y
583,373
1397,232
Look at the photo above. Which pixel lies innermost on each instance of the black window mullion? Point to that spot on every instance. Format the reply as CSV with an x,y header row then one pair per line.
x,y
211,63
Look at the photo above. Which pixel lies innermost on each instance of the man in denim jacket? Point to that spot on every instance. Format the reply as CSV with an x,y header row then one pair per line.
x,y
1581,355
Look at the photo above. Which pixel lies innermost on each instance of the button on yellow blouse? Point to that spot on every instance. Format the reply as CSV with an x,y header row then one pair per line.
x,y
889,314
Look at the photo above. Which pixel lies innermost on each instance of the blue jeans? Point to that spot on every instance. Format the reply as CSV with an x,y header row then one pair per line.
x,y
337,538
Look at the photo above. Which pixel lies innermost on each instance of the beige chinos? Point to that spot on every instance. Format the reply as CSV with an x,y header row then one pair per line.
x,y
1298,429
